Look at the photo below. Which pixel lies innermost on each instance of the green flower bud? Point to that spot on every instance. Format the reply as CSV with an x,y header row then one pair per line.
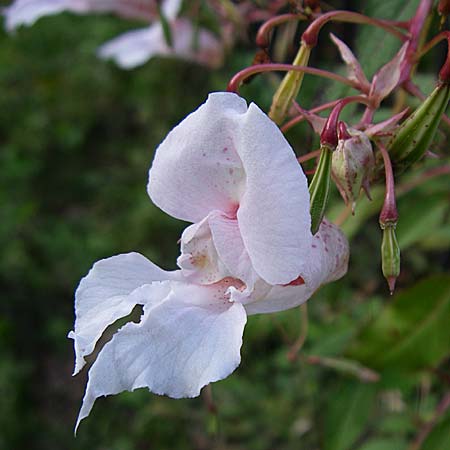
x,y
412,139
390,254
319,189
289,87
352,163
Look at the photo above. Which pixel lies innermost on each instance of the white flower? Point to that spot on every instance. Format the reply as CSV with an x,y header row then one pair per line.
x,y
135,47
228,169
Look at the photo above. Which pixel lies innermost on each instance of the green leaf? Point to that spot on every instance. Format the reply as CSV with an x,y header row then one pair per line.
x,y
412,333
384,444
348,414
414,225
439,438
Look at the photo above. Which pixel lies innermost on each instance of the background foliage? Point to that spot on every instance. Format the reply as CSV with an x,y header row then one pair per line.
x,y
77,137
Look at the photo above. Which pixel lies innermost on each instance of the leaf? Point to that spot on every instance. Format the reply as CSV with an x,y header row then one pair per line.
x,y
412,333
384,444
439,438
348,414
415,225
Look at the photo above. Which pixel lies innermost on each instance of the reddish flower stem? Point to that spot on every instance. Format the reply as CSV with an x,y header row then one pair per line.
x,y
442,407
389,211
416,28
329,135
288,125
308,156
235,82
262,38
311,34
424,176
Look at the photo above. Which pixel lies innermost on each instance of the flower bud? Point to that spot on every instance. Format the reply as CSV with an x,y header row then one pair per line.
x,y
289,87
412,139
352,163
390,254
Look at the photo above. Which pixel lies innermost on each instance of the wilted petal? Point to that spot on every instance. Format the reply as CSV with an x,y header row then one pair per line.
x,y
135,47
355,71
196,168
273,216
328,262
386,79
191,338
105,295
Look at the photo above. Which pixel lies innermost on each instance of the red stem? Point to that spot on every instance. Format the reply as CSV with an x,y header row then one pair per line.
x,y
262,38
311,34
416,26
389,211
233,85
288,125
329,135
442,407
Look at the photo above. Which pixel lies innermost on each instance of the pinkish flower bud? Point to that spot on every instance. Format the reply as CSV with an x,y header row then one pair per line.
x,y
352,163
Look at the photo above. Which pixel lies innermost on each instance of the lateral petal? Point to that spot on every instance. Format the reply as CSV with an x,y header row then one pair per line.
x,y
134,48
328,262
105,295
191,338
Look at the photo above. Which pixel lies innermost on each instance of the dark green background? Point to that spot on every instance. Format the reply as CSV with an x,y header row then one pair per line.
x,y
77,137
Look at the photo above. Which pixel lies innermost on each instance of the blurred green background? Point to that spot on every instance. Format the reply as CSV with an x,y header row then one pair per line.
x,y
77,137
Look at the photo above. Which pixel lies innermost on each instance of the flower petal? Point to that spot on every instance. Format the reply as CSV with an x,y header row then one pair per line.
x,y
27,12
386,79
231,250
171,8
329,260
354,69
273,215
191,338
196,168
198,45
199,261
105,295
134,48
224,156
